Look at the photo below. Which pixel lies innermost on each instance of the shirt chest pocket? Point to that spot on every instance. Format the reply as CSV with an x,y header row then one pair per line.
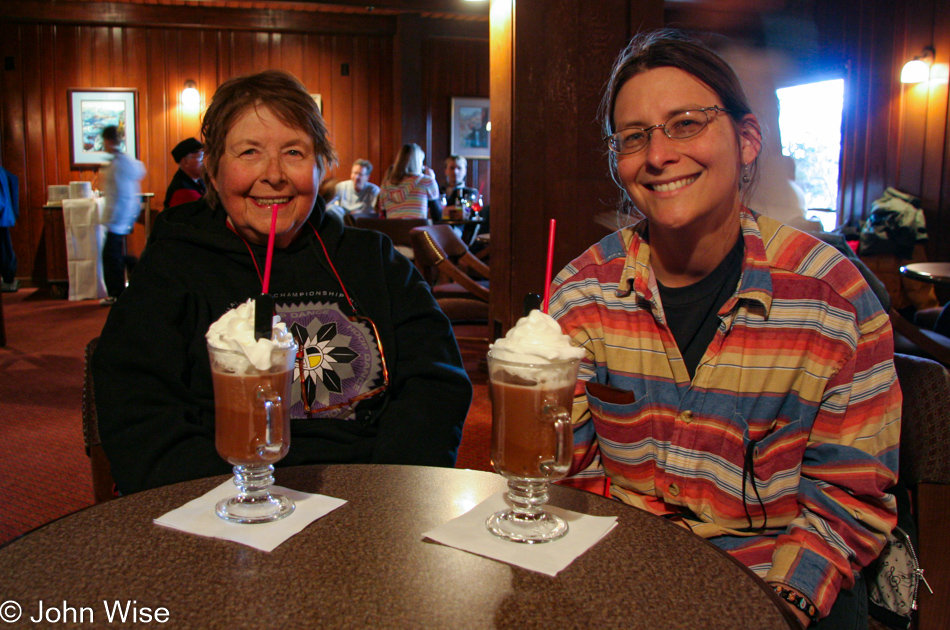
x,y
775,451
618,416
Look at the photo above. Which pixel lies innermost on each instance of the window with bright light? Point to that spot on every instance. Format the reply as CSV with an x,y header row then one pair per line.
x,y
810,126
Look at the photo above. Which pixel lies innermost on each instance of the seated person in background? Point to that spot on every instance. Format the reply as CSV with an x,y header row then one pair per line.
x,y
267,145
186,184
357,194
739,374
408,186
456,168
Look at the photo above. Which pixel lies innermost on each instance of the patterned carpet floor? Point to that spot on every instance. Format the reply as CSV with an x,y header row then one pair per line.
x,y
475,450
44,470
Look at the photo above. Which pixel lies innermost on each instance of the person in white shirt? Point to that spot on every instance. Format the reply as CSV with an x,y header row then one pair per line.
x,y
357,194
123,207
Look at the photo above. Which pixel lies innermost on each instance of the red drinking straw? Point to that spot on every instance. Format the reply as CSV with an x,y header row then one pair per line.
x,y
547,271
270,249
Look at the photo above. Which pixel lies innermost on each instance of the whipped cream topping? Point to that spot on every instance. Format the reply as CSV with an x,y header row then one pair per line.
x,y
536,338
235,331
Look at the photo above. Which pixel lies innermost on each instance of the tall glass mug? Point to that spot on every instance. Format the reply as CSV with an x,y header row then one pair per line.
x,y
531,443
252,430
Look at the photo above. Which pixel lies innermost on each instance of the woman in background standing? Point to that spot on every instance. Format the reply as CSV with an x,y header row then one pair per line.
x,y
408,186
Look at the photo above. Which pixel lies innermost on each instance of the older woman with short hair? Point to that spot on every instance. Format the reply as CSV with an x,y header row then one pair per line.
x,y
379,376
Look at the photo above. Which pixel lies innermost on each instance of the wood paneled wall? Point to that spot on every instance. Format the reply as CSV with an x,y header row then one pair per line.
x,y
50,58
893,134
921,164
549,64
455,67
155,49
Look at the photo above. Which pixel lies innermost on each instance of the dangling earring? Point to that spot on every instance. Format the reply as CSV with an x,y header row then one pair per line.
x,y
745,174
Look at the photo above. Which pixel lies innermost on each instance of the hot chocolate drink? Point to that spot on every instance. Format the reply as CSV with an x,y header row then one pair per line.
x,y
241,433
524,437
252,380
532,373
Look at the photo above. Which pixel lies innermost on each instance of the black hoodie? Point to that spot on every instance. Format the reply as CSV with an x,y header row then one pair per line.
x,y
151,372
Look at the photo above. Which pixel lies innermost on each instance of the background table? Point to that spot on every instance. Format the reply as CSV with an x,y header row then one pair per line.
x,y
936,273
470,228
54,238
366,565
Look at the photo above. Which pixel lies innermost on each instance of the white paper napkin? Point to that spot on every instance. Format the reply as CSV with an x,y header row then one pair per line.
x,y
468,532
198,517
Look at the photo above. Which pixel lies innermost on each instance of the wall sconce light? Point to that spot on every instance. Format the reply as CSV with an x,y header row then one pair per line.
x,y
918,69
190,98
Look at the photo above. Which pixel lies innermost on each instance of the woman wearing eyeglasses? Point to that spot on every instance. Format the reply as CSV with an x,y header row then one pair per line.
x,y
378,379
740,376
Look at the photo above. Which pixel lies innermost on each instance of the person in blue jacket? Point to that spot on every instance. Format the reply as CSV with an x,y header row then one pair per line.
x,y
9,211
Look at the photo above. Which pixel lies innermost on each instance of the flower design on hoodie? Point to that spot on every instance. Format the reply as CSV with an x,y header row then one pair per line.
x,y
324,356
338,358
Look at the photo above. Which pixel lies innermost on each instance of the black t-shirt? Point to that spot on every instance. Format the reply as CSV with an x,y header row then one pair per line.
x,y
692,311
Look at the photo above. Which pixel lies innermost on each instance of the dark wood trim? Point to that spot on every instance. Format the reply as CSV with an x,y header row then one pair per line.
x,y
106,13
408,79
475,11
501,77
455,29
933,510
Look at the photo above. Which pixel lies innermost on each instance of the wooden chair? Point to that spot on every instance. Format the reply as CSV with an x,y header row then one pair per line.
x,y
396,229
446,264
350,218
925,469
922,342
103,487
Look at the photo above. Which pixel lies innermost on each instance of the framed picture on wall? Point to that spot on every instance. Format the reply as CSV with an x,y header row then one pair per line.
x,y
471,127
93,109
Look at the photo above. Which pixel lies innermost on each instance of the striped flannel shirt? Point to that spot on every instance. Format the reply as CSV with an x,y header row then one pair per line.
x,y
782,447
409,199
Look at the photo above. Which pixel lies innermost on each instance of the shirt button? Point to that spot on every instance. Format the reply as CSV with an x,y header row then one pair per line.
x,y
686,416
674,490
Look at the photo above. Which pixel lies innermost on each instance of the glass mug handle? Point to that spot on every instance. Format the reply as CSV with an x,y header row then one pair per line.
x,y
271,402
562,423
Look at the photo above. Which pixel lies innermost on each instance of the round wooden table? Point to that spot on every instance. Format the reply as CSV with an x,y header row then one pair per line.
x,y
935,273
365,565
470,227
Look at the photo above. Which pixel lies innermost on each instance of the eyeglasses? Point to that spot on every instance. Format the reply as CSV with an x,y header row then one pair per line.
x,y
302,364
680,126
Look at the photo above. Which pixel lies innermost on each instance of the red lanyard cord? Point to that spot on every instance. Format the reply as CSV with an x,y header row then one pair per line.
x,y
325,253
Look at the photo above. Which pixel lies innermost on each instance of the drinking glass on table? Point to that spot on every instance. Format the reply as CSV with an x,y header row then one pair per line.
x,y
532,442
465,207
252,430
477,208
